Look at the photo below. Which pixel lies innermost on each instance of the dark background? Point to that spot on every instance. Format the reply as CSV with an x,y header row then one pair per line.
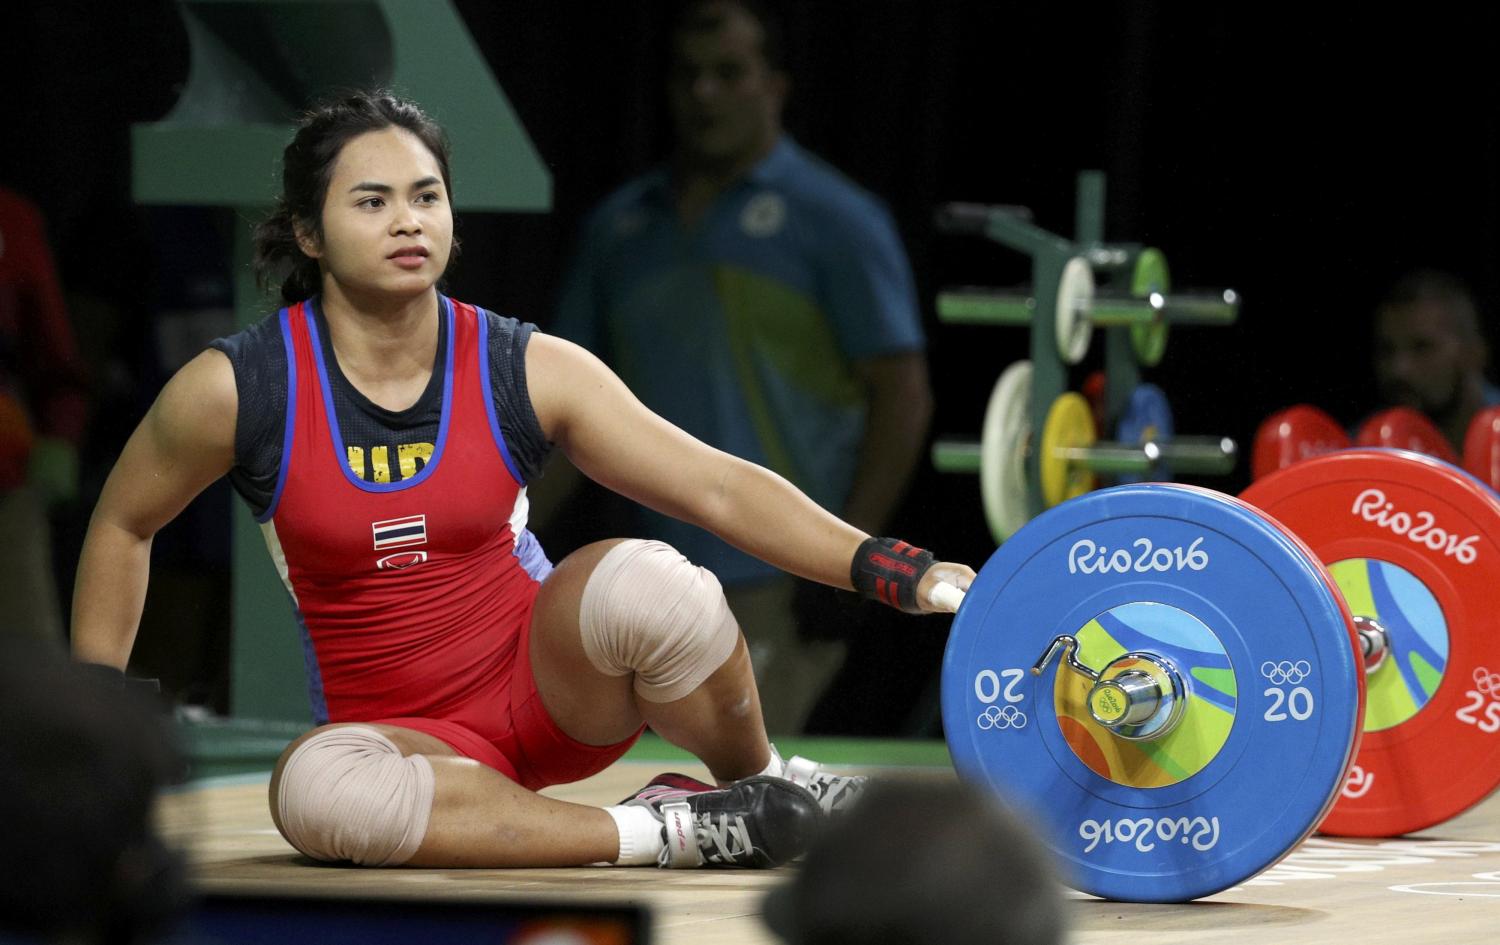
x,y
1303,159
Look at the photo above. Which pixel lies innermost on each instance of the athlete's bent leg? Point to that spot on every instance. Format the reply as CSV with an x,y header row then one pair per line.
x,y
381,795
629,631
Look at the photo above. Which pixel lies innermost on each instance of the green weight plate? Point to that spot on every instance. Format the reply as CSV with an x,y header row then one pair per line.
x,y
1149,341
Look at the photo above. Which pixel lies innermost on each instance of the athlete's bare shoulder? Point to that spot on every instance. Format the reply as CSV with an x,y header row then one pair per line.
x,y
198,406
558,374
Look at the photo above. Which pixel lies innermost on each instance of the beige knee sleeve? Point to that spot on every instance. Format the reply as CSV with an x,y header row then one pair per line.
x,y
647,610
347,793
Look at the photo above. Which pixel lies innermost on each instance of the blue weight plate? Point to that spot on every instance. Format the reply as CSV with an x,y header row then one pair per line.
x,y
1147,416
1253,626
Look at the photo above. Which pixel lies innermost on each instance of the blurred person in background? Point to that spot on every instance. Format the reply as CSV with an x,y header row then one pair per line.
x,y
756,298
1430,353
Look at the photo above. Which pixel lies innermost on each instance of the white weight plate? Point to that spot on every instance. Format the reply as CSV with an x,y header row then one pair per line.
x,y
1002,452
1075,293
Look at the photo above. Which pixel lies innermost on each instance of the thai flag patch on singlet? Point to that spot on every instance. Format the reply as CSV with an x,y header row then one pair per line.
x,y
400,532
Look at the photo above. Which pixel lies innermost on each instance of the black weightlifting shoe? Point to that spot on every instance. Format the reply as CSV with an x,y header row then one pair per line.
x,y
835,792
760,822
668,787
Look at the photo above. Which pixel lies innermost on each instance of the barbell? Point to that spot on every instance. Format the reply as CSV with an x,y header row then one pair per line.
x,y
1178,686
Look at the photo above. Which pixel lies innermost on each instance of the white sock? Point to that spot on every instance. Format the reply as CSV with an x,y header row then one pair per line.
x,y
775,767
772,768
640,835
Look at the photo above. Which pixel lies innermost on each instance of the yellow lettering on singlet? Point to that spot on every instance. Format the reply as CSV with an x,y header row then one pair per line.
x,y
356,460
380,462
407,455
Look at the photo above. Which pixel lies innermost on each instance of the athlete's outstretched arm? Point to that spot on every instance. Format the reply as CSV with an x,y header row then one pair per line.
x,y
184,443
613,439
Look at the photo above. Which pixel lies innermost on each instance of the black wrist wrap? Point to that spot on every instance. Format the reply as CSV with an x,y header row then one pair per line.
x,y
888,569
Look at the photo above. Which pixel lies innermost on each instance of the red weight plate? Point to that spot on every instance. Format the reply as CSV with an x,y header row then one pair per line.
x,y
1407,429
1482,446
1414,543
1292,435
1093,389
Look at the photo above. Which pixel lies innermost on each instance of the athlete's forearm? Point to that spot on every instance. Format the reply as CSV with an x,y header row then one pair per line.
x,y
109,593
185,442
766,516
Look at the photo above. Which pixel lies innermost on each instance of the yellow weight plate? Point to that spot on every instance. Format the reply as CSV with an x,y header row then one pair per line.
x,y
1149,341
1070,425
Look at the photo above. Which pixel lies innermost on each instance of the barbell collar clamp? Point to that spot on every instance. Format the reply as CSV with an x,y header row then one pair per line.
x,y
1068,647
1137,697
1130,698
1374,642
1155,697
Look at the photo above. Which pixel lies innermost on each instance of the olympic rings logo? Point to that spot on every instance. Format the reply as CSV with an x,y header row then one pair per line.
x,y
1285,672
1487,682
998,718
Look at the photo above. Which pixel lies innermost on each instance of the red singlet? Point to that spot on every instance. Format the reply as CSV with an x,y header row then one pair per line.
x,y
414,605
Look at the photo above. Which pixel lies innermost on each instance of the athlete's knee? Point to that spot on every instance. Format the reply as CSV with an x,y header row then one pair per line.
x,y
346,793
646,610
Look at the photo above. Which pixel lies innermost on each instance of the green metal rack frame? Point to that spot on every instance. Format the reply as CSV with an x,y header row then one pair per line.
x,y
1012,228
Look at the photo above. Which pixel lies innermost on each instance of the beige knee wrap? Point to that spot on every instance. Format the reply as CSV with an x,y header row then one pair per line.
x,y
647,610
347,793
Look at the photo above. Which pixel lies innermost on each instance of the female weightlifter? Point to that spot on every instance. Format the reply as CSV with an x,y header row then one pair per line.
x,y
383,434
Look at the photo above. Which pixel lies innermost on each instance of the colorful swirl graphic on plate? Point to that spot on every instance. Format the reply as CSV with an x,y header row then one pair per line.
x,y
1181,639
1417,637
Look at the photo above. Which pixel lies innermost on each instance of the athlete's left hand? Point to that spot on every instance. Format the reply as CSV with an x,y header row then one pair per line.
x,y
947,572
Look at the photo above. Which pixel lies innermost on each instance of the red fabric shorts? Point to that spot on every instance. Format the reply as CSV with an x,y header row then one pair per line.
x,y
508,729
